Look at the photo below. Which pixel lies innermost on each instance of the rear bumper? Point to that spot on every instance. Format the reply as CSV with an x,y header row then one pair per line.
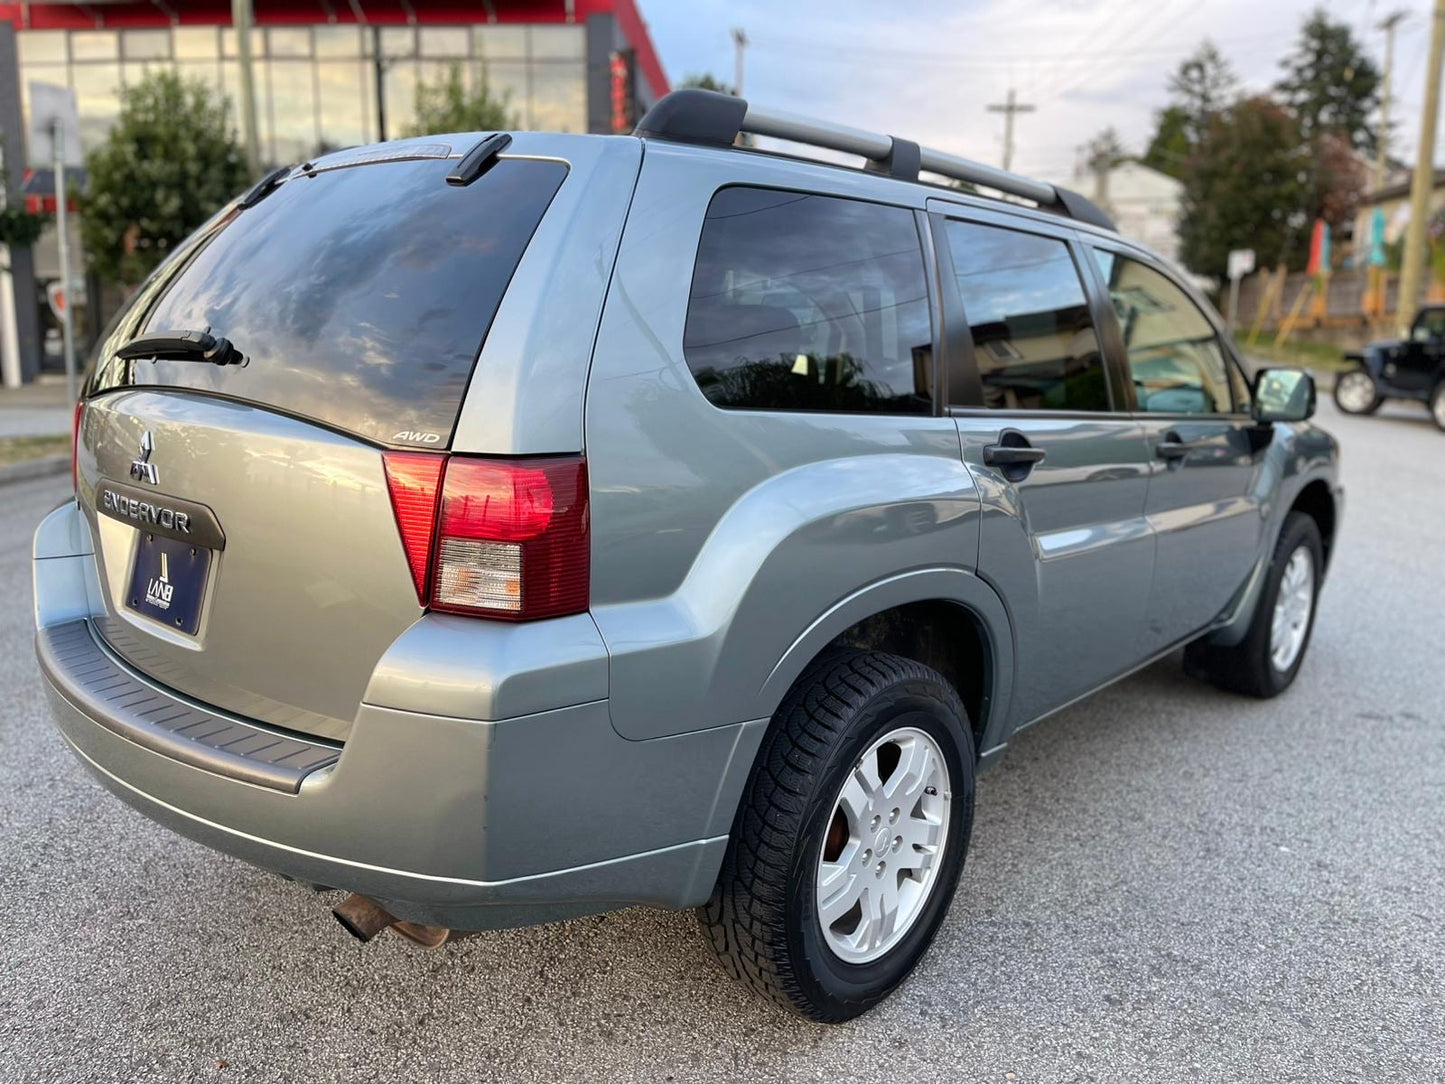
x,y
460,822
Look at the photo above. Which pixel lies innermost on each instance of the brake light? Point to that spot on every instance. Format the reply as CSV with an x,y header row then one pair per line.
x,y
503,538
75,444
413,479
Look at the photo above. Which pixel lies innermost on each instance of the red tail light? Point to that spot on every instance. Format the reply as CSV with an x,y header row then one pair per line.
x,y
413,479
504,538
75,444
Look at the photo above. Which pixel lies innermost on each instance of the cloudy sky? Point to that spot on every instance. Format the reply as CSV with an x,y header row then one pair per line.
x,y
926,68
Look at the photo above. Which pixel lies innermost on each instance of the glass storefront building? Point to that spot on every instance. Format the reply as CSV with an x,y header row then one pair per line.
x,y
327,74
330,75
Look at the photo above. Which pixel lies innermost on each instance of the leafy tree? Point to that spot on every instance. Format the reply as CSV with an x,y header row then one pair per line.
x,y
447,106
1170,145
706,81
1203,85
1244,186
1330,84
1200,87
170,161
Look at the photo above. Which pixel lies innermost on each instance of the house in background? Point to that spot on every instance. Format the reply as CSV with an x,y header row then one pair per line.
x,y
1393,198
1143,202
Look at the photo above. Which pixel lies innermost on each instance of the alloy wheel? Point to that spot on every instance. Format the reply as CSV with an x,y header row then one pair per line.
x,y
1355,391
1292,608
884,845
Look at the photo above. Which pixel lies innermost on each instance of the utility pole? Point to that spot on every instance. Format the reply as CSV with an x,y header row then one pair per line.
x,y
241,20
740,42
1382,140
380,74
1008,109
1412,273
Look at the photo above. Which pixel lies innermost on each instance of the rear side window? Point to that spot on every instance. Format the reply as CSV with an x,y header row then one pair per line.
x,y
1034,341
1175,358
360,295
809,303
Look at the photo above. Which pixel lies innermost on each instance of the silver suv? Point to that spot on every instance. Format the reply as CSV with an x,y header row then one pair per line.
x,y
505,528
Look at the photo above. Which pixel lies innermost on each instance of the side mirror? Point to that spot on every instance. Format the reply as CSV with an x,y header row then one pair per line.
x,y
1283,395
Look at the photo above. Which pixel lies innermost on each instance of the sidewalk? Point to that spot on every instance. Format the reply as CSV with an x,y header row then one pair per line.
x,y
39,409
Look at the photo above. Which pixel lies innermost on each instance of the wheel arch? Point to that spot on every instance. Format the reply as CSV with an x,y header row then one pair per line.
x,y
946,619
1316,501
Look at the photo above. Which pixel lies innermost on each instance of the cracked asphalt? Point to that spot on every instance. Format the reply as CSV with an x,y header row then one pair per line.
x,y
1166,883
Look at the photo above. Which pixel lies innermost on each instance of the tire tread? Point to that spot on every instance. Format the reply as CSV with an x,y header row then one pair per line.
x,y
745,921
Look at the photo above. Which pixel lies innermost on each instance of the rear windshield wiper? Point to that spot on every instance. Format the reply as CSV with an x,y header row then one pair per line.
x,y
181,346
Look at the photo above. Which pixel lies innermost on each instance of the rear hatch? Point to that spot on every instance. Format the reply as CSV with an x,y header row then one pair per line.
x,y
248,549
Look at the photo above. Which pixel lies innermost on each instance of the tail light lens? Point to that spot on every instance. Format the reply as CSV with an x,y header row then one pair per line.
x,y
413,479
75,444
503,538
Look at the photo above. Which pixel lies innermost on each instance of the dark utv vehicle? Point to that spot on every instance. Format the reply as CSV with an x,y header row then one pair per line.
x,y
1394,369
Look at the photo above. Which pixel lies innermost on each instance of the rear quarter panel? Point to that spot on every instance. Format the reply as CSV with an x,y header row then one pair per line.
x,y
729,546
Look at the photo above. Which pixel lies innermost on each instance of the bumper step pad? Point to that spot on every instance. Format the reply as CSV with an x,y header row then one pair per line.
x,y
107,692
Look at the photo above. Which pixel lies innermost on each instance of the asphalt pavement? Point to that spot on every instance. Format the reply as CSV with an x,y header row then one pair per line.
x,y
1166,883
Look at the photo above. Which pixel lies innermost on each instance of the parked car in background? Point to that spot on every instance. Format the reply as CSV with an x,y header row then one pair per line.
x,y
505,528
1412,368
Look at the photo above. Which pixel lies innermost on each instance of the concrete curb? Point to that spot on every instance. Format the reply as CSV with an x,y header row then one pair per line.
x,y
39,467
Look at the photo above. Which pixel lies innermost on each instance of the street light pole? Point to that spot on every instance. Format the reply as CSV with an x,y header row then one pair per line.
x,y
241,20
62,228
1412,273
740,43
1382,140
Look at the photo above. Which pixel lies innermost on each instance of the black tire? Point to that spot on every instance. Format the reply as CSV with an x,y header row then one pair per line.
x,y
1354,374
1246,667
1437,405
762,918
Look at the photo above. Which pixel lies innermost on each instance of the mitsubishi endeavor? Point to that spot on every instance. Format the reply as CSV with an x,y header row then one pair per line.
x,y
508,527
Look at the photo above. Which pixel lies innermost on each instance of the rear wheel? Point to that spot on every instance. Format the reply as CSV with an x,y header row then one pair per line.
x,y
850,837
1437,404
1355,392
1265,662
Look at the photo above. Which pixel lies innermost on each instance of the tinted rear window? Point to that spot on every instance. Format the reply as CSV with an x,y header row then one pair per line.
x,y
805,302
360,296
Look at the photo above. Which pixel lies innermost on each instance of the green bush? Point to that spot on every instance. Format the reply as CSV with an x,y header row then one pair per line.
x,y
169,163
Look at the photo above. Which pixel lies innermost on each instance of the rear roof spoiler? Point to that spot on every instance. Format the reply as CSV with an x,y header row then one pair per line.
x,y
716,120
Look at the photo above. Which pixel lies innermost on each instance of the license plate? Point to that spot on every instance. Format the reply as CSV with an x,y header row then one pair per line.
x,y
169,581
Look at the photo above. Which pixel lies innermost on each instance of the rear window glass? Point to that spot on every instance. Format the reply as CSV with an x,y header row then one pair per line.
x,y
803,302
360,296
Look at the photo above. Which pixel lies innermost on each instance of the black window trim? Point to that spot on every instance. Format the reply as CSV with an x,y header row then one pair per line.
x,y
928,258
962,360
1239,412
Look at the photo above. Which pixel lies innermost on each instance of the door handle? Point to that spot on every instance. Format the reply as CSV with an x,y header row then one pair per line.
x,y
1013,455
1172,448
1010,455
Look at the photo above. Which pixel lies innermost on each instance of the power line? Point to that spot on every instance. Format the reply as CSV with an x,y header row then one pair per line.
x,y
880,54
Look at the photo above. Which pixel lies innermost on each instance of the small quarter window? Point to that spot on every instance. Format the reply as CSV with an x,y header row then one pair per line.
x,y
1175,358
1033,337
809,303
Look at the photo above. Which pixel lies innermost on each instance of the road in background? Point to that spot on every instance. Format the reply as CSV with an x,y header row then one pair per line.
x,y
1166,883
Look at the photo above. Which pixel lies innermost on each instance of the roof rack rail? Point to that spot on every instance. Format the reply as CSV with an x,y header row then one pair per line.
x,y
713,119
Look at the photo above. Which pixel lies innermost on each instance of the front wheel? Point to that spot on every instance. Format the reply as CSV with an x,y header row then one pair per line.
x,y
1355,392
1265,662
850,837
1437,404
